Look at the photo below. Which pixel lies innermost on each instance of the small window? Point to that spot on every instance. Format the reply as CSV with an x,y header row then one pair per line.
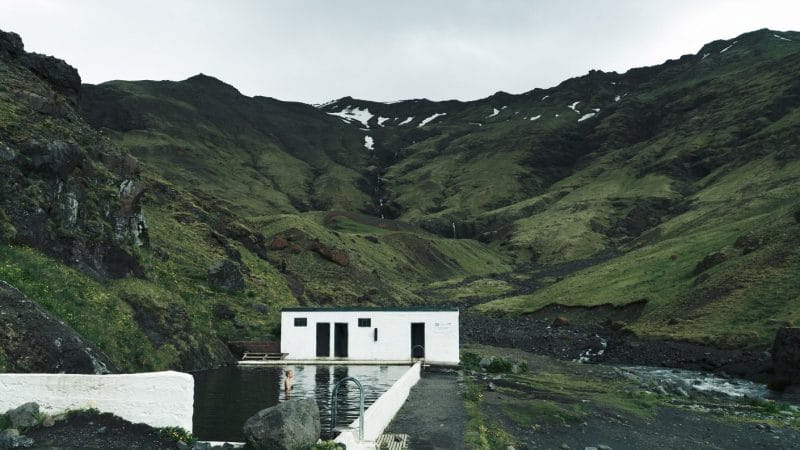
x,y
300,321
365,322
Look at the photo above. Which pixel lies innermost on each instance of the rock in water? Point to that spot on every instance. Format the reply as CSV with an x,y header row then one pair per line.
x,y
225,275
786,356
289,425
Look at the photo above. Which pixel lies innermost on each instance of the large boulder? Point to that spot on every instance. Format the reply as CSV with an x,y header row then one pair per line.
x,y
226,275
23,416
786,356
289,425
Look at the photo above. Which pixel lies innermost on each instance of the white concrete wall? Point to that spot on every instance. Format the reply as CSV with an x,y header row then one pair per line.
x,y
158,399
378,416
394,334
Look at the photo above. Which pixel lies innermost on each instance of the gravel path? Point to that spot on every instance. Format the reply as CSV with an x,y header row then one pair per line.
x,y
433,416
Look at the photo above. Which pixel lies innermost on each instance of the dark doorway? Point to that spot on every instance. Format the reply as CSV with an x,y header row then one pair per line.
x,y
417,340
340,340
323,339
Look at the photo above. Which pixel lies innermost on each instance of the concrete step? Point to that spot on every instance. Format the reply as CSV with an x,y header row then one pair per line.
x,y
393,441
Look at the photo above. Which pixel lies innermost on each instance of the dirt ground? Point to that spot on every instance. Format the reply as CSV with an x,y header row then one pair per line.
x,y
98,431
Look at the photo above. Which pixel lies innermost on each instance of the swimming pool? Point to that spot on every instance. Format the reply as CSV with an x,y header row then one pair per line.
x,y
225,398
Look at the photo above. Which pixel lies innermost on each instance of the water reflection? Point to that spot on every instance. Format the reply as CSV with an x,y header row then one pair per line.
x,y
226,397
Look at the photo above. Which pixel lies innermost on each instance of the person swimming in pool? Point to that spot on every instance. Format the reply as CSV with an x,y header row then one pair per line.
x,y
288,382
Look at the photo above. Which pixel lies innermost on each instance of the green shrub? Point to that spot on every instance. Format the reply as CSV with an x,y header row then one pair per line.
x,y
177,434
470,361
474,392
327,445
500,365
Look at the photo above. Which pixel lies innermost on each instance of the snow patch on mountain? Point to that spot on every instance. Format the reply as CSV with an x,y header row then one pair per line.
x,y
536,117
381,120
573,106
369,143
427,120
406,121
617,98
495,112
587,116
356,114
728,47
328,103
782,38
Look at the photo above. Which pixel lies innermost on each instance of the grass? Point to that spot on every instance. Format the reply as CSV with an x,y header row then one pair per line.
x,y
716,139
729,309
557,397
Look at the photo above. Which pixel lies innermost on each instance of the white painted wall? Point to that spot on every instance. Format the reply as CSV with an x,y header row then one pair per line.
x,y
378,416
394,334
158,399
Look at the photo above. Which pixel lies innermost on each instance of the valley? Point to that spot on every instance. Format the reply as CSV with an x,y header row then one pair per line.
x,y
162,219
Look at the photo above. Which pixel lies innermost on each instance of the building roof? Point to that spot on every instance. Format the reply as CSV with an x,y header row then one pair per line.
x,y
373,309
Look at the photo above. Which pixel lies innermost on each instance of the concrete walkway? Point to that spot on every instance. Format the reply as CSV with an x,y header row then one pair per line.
x,y
433,415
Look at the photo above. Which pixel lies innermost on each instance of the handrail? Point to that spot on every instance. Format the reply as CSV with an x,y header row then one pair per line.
x,y
414,348
334,409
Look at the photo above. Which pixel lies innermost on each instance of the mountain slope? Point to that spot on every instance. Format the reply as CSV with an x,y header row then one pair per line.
x,y
186,214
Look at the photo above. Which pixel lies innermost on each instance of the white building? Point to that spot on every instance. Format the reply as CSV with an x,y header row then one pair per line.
x,y
371,334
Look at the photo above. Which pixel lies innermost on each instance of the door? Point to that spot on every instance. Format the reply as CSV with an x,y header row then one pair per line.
x,y
417,340
340,340
323,339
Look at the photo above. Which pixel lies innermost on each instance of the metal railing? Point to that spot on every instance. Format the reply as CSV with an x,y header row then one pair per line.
x,y
334,408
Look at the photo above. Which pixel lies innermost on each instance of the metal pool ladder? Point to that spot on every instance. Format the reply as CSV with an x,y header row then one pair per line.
x,y
334,408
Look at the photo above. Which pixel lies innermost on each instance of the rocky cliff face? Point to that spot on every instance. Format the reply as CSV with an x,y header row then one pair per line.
x,y
33,340
64,189
67,192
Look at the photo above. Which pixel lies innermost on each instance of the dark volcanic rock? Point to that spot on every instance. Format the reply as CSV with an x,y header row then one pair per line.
x,y
227,276
35,341
223,312
560,321
60,75
748,242
63,77
709,261
57,157
335,255
11,438
23,416
10,44
289,425
786,356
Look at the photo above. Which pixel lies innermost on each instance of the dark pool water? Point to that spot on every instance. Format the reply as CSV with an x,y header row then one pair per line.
x,y
225,398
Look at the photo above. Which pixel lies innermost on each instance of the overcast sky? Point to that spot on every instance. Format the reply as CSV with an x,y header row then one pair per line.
x,y
314,51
